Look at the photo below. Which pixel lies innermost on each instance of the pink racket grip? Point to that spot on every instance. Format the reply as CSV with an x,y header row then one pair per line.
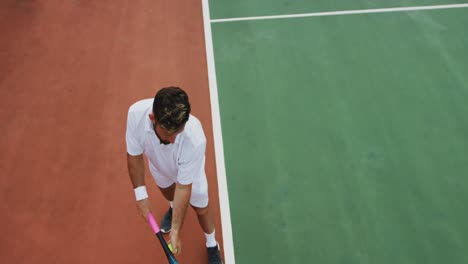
x,y
153,223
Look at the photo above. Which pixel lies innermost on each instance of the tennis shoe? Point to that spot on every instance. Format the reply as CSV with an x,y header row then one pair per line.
x,y
166,222
214,256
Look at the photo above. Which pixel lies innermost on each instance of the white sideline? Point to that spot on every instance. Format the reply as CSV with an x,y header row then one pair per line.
x,y
228,246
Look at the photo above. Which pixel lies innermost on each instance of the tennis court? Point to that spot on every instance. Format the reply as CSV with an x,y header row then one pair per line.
x,y
345,135
336,130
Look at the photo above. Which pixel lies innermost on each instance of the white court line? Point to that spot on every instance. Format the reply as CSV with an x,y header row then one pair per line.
x,y
228,245
347,12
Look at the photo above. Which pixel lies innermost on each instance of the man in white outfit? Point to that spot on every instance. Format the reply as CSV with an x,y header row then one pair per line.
x,y
174,144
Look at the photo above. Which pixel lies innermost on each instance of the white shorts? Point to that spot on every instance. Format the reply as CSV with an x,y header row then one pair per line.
x,y
199,197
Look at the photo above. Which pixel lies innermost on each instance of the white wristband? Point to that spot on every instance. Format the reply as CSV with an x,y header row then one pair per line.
x,y
140,193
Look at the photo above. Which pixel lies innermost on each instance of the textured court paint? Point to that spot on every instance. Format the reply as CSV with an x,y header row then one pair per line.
x,y
345,137
242,8
69,70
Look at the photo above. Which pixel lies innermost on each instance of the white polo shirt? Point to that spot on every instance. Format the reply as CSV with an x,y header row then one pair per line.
x,y
182,161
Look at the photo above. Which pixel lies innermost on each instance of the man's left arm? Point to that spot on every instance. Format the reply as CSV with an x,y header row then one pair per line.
x,y
181,201
189,167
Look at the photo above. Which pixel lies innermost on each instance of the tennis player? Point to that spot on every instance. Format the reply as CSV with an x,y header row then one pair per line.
x,y
173,141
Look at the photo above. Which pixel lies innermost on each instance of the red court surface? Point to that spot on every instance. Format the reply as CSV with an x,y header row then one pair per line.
x,y
69,70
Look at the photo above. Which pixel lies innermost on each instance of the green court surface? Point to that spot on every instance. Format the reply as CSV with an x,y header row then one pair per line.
x,y
345,137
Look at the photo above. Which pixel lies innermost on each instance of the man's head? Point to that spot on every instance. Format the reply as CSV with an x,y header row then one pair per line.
x,y
171,110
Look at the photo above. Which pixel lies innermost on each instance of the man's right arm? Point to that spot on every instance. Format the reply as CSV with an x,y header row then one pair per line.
x,y
136,171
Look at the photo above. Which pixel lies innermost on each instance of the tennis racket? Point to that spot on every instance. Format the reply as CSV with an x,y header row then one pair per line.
x,y
157,231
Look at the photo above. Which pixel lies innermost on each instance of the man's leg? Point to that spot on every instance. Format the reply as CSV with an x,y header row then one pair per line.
x,y
168,192
205,218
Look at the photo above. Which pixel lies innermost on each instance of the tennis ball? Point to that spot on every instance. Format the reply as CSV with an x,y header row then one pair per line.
x,y
169,245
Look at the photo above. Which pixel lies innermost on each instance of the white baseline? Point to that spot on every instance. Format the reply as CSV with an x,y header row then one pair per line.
x,y
347,12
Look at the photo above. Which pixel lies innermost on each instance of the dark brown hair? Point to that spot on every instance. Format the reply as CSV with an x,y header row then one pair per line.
x,y
171,108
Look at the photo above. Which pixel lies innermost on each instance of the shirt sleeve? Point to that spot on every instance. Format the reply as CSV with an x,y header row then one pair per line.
x,y
134,146
192,162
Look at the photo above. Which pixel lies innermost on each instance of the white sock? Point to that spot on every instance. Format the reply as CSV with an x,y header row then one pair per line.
x,y
211,240
172,204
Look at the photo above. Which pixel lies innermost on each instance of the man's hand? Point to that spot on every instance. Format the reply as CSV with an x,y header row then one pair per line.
x,y
175,242
144,207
